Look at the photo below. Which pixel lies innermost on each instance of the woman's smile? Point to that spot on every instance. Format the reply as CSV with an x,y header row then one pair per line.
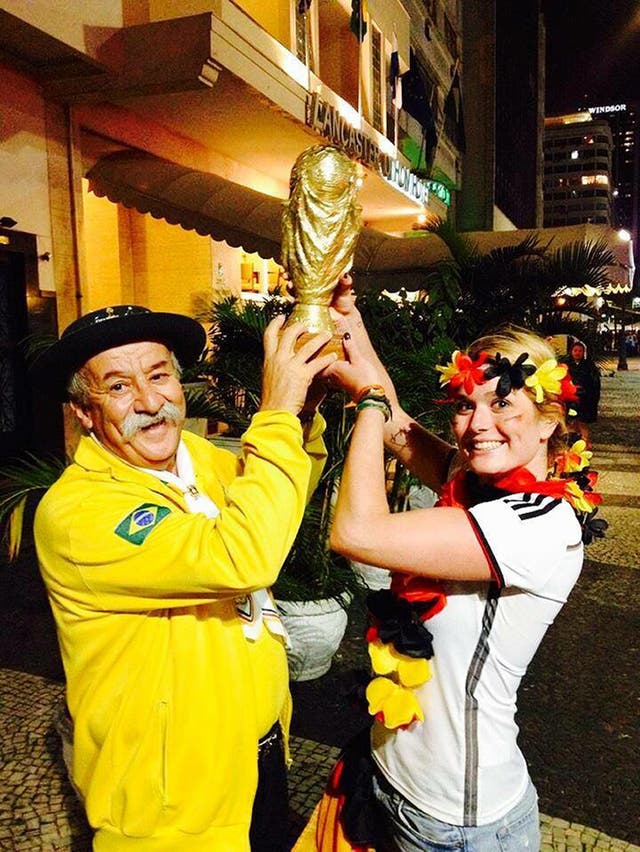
x,y
486,446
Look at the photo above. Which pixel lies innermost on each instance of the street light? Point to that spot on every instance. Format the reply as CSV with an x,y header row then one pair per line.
x,y
622,340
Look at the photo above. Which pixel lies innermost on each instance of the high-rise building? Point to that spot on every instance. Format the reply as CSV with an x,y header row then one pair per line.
x,y
578,170
622,118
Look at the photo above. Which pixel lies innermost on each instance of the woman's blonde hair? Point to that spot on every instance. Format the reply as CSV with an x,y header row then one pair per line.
x,y
510,341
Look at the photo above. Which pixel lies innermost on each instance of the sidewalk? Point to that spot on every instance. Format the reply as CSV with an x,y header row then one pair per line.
x,y
579,714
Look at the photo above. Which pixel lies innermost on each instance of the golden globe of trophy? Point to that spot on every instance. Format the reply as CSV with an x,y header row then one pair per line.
x,y
320,225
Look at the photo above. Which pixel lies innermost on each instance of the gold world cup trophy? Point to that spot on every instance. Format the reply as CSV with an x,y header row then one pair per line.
x,y
320,225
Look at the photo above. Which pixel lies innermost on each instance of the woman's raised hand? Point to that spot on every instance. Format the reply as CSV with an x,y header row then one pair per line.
x,y
353,374
348,320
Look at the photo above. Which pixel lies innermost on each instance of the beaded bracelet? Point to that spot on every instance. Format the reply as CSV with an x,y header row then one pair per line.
x,y
376,402
377,394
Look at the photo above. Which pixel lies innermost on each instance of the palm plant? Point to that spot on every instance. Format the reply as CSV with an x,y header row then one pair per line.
x,y
20,479
520,283
410,338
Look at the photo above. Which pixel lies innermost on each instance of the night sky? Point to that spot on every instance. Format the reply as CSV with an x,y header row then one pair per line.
x,y
593,53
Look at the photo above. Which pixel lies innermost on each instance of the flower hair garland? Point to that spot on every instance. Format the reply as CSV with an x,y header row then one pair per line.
x,y
511,376
549,380
461,371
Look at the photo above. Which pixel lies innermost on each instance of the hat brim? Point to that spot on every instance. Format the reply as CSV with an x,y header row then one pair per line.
x,y
184,336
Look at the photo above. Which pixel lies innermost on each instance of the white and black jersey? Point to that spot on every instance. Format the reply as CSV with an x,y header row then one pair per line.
x,y
462,765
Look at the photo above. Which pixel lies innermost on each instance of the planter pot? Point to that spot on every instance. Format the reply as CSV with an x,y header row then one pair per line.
x,y
231,444
373,577
315,629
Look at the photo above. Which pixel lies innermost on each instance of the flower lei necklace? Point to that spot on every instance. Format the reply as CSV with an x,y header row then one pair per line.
x,y
400,645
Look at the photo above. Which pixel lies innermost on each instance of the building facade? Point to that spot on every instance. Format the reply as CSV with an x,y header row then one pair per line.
x,y
431,121
578,171
174,96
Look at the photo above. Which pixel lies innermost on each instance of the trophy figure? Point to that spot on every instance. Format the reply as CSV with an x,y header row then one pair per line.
x,y
320,225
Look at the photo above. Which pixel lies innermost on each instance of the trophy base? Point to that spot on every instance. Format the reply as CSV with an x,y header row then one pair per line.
x,y
333,345
316,318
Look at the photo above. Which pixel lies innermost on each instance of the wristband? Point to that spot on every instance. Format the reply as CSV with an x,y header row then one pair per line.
x,y
373,402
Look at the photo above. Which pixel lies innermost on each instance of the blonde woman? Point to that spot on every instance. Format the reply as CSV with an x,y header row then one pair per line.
x,y
477,581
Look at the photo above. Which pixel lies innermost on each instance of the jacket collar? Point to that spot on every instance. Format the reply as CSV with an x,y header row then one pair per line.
x,y
94,456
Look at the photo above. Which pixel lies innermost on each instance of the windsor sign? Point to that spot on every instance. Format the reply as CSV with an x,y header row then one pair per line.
x,y
326,120
606,109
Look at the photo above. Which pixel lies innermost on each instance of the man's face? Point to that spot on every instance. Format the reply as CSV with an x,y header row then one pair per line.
x,y
136,405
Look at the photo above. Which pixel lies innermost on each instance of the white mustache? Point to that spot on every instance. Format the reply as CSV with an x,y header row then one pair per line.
x,y
133,422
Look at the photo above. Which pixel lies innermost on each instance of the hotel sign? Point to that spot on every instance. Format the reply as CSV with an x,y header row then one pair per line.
x,y
606,109
326,120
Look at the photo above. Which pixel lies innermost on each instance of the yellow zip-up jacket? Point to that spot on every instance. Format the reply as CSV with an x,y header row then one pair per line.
x,y
161,681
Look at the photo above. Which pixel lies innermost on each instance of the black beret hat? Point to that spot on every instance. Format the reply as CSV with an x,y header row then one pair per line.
x,y
115,326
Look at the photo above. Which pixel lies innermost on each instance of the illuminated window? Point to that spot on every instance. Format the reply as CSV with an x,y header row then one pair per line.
x,y
601,179
574,155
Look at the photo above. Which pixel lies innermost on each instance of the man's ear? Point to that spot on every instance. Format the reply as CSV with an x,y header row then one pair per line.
x,y
83,416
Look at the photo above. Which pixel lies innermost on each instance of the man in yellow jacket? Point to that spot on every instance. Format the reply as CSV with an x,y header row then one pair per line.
x,y
157,550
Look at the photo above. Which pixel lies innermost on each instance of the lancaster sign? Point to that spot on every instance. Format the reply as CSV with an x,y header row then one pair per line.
x,y
326,120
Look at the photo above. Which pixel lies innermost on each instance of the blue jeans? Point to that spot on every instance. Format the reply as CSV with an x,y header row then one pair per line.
x,y
412,830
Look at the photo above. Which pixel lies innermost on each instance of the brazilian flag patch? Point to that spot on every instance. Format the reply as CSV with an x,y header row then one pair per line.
x,y
139,523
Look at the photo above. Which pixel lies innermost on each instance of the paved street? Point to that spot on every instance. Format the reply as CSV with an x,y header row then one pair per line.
x,y
39,811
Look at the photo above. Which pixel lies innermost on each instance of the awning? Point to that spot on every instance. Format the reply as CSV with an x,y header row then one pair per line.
x,y
242,217
396,263
403,262
196,200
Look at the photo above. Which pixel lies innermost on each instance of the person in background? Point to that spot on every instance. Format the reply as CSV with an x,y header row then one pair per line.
x,y
157,550
585,375
477,580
